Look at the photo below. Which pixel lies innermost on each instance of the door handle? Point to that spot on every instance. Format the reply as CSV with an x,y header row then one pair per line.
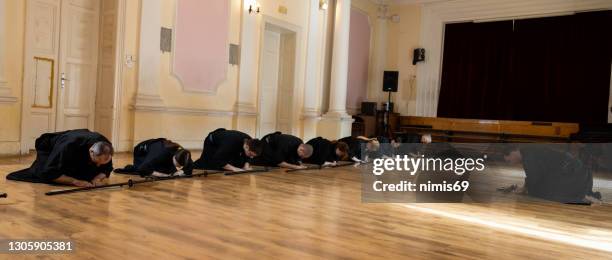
x,y
63,80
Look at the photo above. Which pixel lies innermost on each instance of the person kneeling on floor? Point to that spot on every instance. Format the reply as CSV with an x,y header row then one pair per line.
x,y
159,158
229,150
283,150
76,157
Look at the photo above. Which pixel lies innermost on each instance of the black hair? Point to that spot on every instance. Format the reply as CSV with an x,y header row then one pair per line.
x,y
183,157
343,147
255,145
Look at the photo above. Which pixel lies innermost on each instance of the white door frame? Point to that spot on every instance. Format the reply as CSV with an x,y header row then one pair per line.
x,y
297,76
26,94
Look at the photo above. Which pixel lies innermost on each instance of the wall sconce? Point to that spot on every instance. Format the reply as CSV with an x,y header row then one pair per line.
x,y
254,8
323,4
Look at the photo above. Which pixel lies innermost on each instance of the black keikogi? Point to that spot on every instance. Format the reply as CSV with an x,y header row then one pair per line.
x,y
408,144
556,175
222,147
63,153
357,147
386,148
154,155
278,148
323,151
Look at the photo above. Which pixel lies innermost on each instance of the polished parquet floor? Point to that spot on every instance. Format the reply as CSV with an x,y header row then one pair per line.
x,y
301,215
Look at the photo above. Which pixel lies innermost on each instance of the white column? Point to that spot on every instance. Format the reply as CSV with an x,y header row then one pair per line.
x,y
150,55
6,95
310,112
339,70
337,122
247,77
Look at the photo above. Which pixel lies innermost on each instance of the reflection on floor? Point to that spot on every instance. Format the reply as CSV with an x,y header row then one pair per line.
x,y
309,214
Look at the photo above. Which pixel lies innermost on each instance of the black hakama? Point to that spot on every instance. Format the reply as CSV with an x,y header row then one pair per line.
x,y
63,153
223,147
278,148
555,175
323,151
153,155
357,147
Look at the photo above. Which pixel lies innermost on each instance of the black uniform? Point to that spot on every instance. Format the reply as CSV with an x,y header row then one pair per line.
x,y
63,153
555,175
154,155
323,151
408,144
357,147
386,149
278,148
222,147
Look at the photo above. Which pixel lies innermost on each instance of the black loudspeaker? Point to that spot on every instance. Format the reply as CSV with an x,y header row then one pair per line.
x,y
390,81
418,55
368,108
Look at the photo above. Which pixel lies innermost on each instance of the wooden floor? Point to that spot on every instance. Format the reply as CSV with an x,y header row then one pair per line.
x,y
301,215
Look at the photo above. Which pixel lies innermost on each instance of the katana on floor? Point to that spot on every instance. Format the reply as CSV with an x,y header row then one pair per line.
x,y
266,169
320,167
130,183
315,167
343,165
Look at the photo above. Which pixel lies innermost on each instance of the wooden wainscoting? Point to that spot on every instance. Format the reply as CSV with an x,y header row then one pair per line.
x,y
473,130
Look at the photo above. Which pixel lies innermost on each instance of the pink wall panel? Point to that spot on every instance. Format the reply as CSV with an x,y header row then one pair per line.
x,y
201,44
359,59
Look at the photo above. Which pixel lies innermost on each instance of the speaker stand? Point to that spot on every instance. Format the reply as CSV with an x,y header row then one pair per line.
x,y
387,116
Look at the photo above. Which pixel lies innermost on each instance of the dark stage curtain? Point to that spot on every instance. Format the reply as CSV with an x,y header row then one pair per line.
x,y
545,69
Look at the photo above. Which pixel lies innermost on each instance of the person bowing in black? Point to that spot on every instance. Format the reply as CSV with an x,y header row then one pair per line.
x,y
361,148
228,150
284,151
552,172
326,152
76,157
160,158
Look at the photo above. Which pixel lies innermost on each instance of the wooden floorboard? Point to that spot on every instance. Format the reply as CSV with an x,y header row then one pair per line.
x,y
300,215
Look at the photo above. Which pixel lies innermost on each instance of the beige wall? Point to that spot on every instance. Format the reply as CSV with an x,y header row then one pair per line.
x,y
376,42
189,116
10,113
403,38
193,115
397,40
